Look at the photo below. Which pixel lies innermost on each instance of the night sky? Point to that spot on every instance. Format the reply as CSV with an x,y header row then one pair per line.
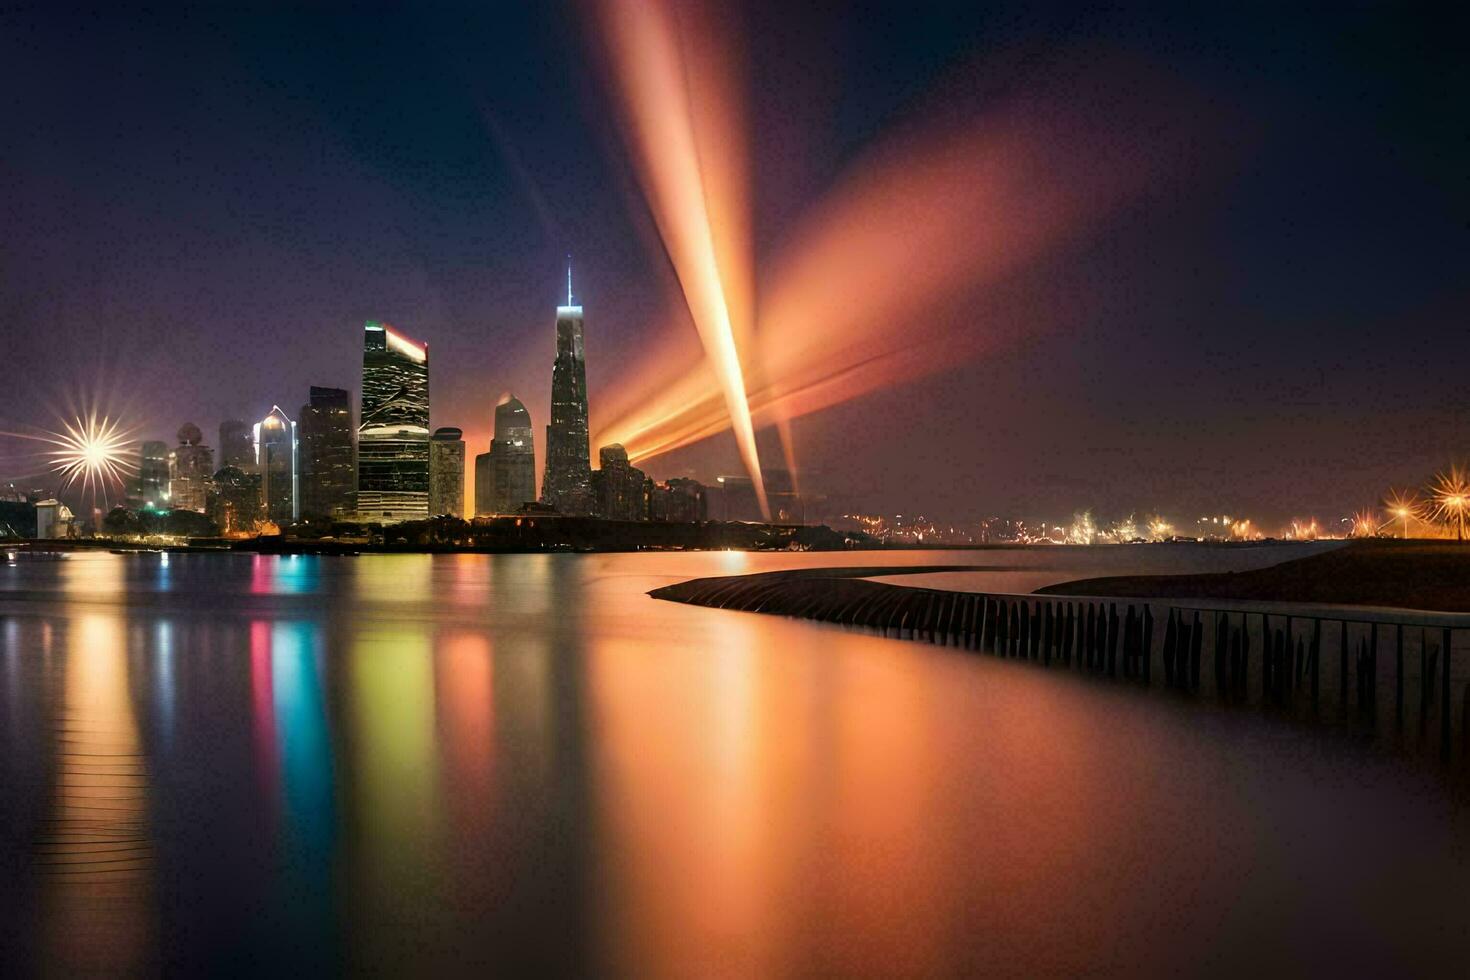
x,y
199,208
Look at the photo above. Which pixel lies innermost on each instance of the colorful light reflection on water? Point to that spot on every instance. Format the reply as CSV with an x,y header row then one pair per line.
x,y
415,763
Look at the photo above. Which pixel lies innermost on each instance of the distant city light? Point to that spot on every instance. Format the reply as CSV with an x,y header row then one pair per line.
x,y
91,454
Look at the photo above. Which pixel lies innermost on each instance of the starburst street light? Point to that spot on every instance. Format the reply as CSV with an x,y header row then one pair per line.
x,y
1402,506
91,453
1451,495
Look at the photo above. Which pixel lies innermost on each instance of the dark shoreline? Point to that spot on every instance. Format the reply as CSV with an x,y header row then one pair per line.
x,y
1424,575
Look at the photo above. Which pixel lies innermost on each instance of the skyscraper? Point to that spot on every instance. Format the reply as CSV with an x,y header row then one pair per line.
x,y
505,477
393,433
328,468
235,447
567,485
153,475
275,459
619,486
189,469
446,473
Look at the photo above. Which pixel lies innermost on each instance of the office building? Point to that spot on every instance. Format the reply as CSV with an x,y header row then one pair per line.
x,y
567,483
54,520
619,486
275,461
190,465
446,473
327,457
679,500
153,475
235,446
505,477
393,432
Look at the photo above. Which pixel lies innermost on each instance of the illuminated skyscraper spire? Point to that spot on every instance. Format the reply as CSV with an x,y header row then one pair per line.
x,y
567,484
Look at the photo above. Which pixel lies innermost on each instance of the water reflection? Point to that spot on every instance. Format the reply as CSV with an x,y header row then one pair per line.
x,y
520,763
94,855
303,738
396,805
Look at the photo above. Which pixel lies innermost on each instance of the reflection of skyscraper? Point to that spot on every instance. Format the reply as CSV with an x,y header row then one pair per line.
x,y
619,486
328,470
235,448
275,458
393,433
567,485
505,477
189,469
446,473
153,474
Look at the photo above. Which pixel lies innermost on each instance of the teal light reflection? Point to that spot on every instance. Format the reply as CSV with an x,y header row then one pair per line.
x,y
295,574
302,732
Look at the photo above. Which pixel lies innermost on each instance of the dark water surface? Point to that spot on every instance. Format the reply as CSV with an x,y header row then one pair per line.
x,y
417,764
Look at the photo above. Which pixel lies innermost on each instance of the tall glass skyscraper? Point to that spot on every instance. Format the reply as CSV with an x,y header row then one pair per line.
x,y
328,467
505,477
153,475
567,484
189,468
393,432
446,472
235,448
275,459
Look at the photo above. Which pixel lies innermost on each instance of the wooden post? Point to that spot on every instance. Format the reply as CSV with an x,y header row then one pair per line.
x,y
1196,648
1148,643
1046,633
1444,697
1398,674
1112,639
1316,658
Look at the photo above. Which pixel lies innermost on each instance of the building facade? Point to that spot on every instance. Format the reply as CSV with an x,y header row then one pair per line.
x,y
234,500
54,520
393,431
153,475
505,477
328,458
680,500
446,473
619,486
567,483
236,447
190,465
275,461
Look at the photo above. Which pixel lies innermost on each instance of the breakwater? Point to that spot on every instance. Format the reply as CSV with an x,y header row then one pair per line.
x,y
1375,667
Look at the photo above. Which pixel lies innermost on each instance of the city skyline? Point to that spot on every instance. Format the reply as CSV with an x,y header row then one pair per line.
x,y
1059,368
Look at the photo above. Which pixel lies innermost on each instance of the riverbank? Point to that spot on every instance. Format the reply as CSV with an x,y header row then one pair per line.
x,y
1428,575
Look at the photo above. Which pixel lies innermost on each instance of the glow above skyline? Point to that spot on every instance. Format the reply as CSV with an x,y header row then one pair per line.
x,y
652,68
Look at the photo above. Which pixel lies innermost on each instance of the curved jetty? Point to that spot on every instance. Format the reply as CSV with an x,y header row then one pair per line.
x,y
1308,655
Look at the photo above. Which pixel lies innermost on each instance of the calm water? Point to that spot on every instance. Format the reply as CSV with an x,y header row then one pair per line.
x,y
429,764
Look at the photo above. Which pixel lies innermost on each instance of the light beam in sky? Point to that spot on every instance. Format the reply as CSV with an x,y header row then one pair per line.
x,y
652,71
887,277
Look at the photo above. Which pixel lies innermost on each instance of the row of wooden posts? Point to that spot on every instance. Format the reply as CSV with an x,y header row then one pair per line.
x,y
1097,637
1100,639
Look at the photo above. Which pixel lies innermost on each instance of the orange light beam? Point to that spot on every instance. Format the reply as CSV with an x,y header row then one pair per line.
x,y
651,74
